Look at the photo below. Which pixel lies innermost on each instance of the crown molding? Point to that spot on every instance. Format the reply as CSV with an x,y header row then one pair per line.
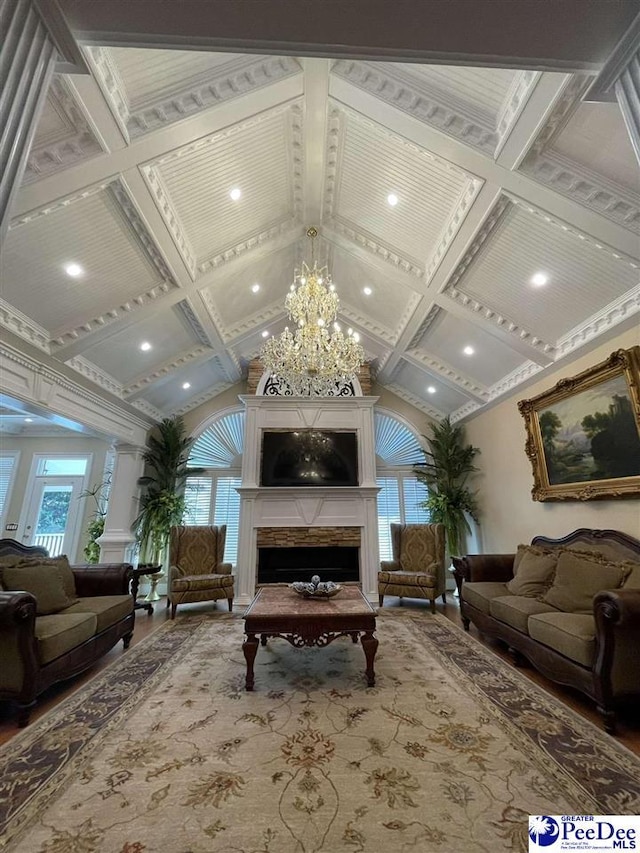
x,y
401,90
452,225
508,383
522,86
464,411
166,368
147,409
616,312
281,232
371,245
248,323
452,376
106,73
205,397
422,329
191,319
416,402
161,196
77,144
22,326
95,374
383,333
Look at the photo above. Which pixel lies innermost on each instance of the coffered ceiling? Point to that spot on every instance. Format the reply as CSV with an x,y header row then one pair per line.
x,y
515,236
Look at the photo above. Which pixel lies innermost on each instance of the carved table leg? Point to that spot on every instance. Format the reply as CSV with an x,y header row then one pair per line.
x,y
354,636
250,649
370,646
263,639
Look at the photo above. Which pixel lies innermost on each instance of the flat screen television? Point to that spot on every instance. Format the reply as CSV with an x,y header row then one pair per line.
x,y
309,457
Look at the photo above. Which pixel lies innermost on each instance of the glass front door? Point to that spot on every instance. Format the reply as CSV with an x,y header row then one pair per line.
x,y
52,517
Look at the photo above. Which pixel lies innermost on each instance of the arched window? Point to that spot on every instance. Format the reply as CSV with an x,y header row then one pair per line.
x,y
401,493
211,498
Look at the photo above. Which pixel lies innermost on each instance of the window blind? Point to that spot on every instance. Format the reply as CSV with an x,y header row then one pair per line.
x,y
7,468
227,511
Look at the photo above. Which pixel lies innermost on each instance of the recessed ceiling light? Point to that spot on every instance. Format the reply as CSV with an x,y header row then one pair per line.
x,y
468,350
145,346
74,270
186,385
255,288
235,193
392,199
265,334
367,291
431,389
28,420
539,279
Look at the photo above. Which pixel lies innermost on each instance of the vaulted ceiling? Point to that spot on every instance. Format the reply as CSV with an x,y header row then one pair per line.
x,y
514,242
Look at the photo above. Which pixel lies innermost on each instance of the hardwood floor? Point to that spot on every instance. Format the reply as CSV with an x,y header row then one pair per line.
x,y
629,723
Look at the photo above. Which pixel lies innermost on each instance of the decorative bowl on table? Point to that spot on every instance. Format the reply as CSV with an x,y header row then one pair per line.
x,y
315,588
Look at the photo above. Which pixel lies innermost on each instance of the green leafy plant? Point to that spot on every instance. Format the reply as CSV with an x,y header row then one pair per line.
x,y
162,502
95,528
449,463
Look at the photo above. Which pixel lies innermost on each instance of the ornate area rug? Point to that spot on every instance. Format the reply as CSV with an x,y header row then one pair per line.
x,y
165,751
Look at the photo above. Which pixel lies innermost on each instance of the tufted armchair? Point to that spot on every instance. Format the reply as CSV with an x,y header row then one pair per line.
x,y
196,571
418,566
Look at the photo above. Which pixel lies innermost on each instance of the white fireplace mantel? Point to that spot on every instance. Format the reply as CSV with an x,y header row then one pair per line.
x,y
307,506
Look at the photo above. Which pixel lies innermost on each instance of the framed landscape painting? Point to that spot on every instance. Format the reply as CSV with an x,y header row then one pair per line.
x,y
583,436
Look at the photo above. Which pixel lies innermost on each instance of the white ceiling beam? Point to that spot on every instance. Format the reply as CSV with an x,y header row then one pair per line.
x,y
532,119
316,91
96,111
156,144
537,195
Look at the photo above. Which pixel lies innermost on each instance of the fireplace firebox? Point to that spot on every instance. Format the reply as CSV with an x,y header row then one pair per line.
x,y
285,565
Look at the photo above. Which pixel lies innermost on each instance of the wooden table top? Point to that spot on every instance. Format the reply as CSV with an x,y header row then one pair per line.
x,y
280,601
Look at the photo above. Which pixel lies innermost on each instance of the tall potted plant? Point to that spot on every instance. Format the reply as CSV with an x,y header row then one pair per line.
x,y
449,463
162,502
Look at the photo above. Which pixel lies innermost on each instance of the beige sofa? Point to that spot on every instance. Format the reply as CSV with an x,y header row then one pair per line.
x,y
56,620
570,606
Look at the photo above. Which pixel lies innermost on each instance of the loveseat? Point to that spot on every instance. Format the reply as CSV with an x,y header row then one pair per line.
x,y
56,620
570,606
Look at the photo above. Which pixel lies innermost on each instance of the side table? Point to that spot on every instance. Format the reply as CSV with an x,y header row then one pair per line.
x,y
138,572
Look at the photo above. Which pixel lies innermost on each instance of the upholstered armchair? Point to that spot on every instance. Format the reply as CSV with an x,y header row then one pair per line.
x,y
196,571
418,566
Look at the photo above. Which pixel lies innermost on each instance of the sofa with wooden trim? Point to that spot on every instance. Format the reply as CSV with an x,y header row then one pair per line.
x,y
570,606
56,620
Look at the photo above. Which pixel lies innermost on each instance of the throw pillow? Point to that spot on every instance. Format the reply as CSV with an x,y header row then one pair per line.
x,y
61,563
579,576
44,582
534,571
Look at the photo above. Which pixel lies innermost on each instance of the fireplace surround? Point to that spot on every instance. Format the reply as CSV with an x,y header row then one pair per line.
x,y
308,516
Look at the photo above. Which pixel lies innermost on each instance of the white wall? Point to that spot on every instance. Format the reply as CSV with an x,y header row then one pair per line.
x,y
509,515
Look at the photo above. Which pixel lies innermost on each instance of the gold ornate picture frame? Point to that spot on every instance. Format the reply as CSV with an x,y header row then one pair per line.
x,y
583,435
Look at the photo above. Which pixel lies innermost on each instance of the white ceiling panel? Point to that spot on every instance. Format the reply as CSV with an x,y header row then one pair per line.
x,y
474,90
582,278
387,308
595,138
121,357
257,159
153,75
91,232
375,164
447,338
232,301
499,174
168,393
417,382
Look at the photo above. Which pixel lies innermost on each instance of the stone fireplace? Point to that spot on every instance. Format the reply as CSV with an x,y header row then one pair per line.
x,y
287,554
328,530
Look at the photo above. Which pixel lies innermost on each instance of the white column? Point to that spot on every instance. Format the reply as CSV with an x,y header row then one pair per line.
x,y
118,538
27,59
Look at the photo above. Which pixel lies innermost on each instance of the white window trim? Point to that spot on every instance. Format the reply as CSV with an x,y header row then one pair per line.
x,y
12,481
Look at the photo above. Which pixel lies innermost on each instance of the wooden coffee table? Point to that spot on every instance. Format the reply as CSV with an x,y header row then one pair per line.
x,y
278,611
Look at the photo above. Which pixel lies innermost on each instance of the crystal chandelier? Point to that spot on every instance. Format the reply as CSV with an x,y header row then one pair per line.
x,y
316,357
